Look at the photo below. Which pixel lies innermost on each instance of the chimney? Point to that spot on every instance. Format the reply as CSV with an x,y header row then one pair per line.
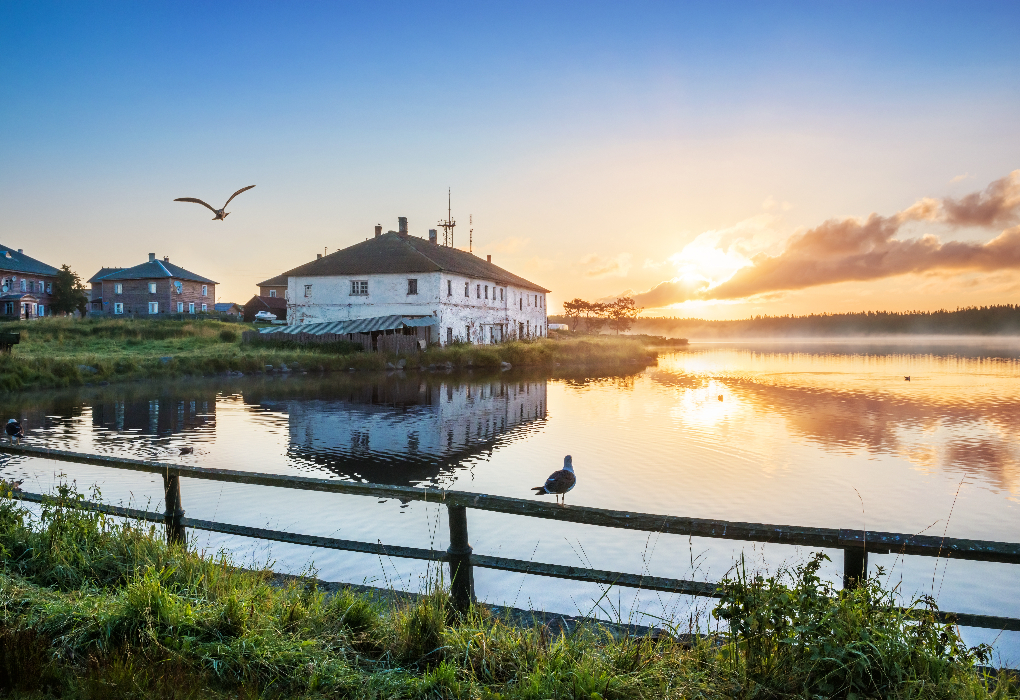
x,y
378,230
433,236
166,258
21,251
488,258
402,226
152,257
318,256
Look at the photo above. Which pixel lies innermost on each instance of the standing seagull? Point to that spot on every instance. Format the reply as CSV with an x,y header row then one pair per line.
x,y
14,431
220,213
559,482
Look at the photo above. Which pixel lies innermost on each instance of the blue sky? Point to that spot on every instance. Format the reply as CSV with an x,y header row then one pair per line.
x,y
579,136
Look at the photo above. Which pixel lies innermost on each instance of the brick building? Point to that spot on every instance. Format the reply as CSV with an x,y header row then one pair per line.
x,y
26,285
156,287
274,287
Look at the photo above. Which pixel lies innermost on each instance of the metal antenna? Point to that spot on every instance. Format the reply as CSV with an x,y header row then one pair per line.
x,y
471,235
448,225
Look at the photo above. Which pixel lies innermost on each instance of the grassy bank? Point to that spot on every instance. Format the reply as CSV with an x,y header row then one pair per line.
x,y
67,352
91,608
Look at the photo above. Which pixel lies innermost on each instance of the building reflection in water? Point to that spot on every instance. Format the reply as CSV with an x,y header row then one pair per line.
x,y
405,430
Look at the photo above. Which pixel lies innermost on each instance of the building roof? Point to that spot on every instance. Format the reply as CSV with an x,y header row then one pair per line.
x,y
153,269
225,306
278,281
392,253
103,272
356,325
260,302
13,261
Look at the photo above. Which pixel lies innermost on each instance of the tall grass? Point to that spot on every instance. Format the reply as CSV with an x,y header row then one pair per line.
x,y
62,352
92,607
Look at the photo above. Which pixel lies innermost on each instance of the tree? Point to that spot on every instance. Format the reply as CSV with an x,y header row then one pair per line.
x,y
573,310
622,314
594,317
69,294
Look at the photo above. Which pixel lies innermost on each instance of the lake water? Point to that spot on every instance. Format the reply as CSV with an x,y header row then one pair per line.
x,y
822,434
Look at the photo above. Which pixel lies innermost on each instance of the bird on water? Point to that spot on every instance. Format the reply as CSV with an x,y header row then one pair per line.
x,y
14,431
187,450
559,482
220,213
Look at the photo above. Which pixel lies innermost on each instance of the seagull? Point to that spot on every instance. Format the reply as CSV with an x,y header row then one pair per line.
x,y
14,431
559,482
187,450
220,214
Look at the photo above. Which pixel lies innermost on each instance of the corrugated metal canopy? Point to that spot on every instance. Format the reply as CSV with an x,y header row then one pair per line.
x,y
357,325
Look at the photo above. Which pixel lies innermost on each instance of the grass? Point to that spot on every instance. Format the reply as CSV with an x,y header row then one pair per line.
x,y
95,608
62,352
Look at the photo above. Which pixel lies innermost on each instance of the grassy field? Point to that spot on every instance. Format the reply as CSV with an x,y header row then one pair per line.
x,y
66,352
91,608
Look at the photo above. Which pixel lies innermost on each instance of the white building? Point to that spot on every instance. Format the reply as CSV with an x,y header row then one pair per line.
x,y
395,274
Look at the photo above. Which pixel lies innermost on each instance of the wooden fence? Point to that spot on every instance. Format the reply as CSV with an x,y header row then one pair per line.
x,y
855,544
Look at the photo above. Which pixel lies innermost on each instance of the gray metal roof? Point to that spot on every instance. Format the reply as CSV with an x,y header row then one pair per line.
x,y
357,325
153,269
13,261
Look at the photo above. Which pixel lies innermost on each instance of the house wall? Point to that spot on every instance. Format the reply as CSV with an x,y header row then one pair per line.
x,y
135,296
472,318
36,285
281,291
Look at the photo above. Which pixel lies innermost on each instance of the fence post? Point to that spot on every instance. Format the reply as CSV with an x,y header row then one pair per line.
x,y
175,533
855,566
462,580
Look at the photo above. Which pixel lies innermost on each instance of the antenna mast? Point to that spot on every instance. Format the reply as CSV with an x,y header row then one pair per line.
x,y
448,225
471,234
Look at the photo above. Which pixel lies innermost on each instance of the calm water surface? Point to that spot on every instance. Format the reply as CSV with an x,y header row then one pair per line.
x,y
826,435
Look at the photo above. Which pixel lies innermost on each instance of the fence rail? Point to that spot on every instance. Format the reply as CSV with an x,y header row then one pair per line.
x,y
855,544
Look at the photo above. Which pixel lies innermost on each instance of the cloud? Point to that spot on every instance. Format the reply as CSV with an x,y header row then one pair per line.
x,y
842,250
598,266
961,178
511,245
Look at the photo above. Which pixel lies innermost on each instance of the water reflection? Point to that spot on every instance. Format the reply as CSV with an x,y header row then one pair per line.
x,y
402,429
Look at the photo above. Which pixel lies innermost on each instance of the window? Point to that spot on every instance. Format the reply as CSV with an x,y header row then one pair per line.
x,y
501,294
49,288
449,293
204,308
180,307
152,287
308,290
205,290
153,307
178,286
272,293
449,334
191,307
478,291
118,288
467,333
412,286
23,286
118,308
40,309
521,302
359,288
486,291
466,293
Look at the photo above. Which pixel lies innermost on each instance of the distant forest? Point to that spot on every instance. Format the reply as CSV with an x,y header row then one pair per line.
x,y
977,320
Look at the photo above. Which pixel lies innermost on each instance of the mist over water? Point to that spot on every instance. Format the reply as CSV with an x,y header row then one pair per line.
x,y
813,434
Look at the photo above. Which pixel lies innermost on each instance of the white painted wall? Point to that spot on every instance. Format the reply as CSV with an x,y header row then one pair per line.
x,y
481,316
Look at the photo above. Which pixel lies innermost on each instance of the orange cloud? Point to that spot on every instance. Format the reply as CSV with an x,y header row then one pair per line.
x,y
860,250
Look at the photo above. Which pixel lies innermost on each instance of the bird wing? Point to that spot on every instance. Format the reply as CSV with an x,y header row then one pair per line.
x,y
243,189
560,481
196,201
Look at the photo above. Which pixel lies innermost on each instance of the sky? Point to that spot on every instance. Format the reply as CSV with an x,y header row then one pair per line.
x,y
716,160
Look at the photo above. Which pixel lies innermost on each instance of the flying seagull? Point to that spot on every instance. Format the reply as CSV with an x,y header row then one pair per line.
x,y
14,431
220,213
559,482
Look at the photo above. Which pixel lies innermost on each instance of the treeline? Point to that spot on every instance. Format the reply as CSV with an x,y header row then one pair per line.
x,y
592,316
1003,319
